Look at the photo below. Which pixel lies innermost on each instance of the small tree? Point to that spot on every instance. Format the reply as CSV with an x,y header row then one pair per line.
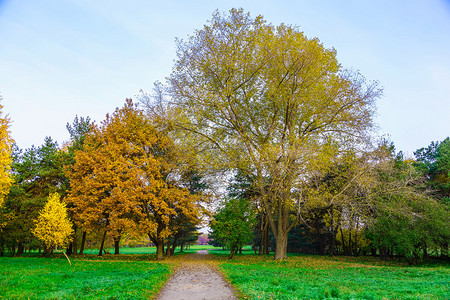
x,y
53,226
233,224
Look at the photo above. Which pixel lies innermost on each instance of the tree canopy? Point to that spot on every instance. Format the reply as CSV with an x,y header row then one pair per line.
x,y
270,102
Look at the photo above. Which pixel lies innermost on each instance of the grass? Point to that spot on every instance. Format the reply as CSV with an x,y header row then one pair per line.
x,y
136,274
315,277
45,278
151,250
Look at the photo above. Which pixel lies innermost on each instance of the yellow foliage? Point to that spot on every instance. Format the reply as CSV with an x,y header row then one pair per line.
x,y
53,226
5,156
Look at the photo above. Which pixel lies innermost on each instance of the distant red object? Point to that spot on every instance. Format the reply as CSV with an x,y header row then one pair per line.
x,y
202,239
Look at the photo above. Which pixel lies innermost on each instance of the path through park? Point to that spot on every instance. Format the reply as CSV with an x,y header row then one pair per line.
x,y
196,278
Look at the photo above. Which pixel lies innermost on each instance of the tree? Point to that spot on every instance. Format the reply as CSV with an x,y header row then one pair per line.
x,y
126,176
434,162
233,224
5,156
53,226
78,130
37,172
268,101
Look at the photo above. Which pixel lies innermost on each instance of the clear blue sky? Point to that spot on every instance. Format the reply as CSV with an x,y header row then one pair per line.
x,y
59,58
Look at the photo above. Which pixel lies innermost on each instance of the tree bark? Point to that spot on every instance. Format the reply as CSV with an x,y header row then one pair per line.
x,y
168,249
343,242
20,249
83,241
102,244
116,245
281,240
75,241
159,250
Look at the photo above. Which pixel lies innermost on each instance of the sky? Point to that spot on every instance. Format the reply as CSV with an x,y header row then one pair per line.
x,y
59,59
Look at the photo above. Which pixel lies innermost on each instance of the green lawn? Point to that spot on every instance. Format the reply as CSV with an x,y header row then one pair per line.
x,y
137,275
46,278
314,277
150,250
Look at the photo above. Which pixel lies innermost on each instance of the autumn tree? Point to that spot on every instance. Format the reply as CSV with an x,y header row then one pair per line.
x,y
53,226
125,176
78,130
5,156
268,101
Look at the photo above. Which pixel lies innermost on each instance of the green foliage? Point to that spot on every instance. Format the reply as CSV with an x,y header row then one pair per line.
x,y
434,162
313,277
405,220
31,278
233,224
36,172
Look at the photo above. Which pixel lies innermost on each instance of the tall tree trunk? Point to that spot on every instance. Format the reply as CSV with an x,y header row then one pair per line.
x,y
69,250
75,241
20,249
181,247
232,251
266,237
350,244
159,250
102,244
344,248
116,245
281,240
356,250
168,249
83,241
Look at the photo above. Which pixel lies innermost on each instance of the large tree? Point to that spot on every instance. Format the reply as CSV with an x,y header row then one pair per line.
x,y
126,176
268,101
5,156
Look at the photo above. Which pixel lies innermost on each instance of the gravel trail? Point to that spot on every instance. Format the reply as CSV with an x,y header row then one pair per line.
x,y
196,279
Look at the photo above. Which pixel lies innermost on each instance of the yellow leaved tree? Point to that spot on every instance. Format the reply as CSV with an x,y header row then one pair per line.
x,y
5,156
53,226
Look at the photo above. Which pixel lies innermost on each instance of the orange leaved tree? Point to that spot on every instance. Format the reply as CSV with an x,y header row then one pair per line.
x,y
125,177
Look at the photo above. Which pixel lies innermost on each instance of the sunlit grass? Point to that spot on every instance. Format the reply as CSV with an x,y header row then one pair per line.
x,y
45,278
315,277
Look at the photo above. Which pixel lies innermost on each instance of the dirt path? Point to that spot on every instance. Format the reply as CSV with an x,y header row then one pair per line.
x,y
197,279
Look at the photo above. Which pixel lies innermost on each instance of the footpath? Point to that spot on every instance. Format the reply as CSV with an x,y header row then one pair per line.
x,y
196,278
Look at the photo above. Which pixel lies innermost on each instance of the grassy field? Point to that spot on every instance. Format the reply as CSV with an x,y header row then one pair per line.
x,y
315,277
136,274
46,278
151,250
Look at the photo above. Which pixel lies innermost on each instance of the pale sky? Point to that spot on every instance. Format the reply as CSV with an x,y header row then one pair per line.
x,y
63,58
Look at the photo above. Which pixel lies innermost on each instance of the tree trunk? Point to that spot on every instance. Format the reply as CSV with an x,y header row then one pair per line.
x,y
102,244
266,239
356,251
344,248
83,241
350,244
232,250
69,250
281,240
159,250
168,249
116,245
181,247
75,241
20,249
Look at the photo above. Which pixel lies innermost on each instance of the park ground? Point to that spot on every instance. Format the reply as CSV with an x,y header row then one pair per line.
x,y
136,274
